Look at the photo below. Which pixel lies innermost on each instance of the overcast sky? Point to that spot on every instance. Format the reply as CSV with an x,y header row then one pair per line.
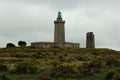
x,y
33,21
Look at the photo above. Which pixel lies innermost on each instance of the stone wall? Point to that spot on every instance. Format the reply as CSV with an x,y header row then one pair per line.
x,y
52,44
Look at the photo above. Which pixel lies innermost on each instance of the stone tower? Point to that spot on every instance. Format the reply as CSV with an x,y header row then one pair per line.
x,y
59,31
90,41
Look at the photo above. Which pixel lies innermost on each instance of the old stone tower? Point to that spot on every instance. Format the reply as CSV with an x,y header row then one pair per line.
x,y
90,41
59,31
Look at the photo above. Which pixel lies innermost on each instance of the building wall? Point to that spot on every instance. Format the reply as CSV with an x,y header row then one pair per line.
x,y
52,44
42,44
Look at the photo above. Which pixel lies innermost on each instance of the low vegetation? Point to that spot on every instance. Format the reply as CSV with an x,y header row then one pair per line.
x,y
26,63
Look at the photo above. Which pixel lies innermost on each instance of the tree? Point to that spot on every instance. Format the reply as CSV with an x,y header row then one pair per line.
x,y
22,43
9,45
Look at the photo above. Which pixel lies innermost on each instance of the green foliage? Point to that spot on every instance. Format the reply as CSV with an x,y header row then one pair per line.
x,y
63,71
112,62
38,55
22,43
84,69
20,55
116,77
45,78
95,63
110,75
65,64
25,67
95,53
61,58
82,58
3,77
3,67
10,45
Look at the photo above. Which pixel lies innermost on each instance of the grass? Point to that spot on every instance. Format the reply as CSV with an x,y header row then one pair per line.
x,y
44,63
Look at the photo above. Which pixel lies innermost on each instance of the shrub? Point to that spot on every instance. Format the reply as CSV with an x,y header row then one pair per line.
x,y
95,63
38,55
62,70
20,55
61,58
9,45
95,53
110,75
3,67
116,77
3,77
54,74
82,58
95,70
22,43
54,63
65,69
112,62
25,67
45,78
65,55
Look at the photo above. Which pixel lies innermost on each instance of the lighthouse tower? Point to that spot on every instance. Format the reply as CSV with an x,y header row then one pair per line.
x,y
59,31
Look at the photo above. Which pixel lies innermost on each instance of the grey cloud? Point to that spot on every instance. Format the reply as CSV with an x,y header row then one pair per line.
x,y
32,20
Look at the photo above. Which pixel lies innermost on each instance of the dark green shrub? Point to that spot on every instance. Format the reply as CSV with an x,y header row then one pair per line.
x,y
65,55
10,45
84,70
38,55
45,78
82,58
65,76
95,53
95,63
61,58
112,62
3,67
54,74
3,77
22,43
116,77
62,70
110,75
25,67
20,55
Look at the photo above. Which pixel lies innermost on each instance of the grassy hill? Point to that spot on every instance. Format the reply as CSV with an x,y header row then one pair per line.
x,y
59,64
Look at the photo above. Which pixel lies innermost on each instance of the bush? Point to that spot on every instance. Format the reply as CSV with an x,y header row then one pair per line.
x,y
22,43
45,78
3,67
116,77
95,53
9,45
38,55
61,58
112,62
3,77
63,71
20,55
25,67
95,63
110,75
